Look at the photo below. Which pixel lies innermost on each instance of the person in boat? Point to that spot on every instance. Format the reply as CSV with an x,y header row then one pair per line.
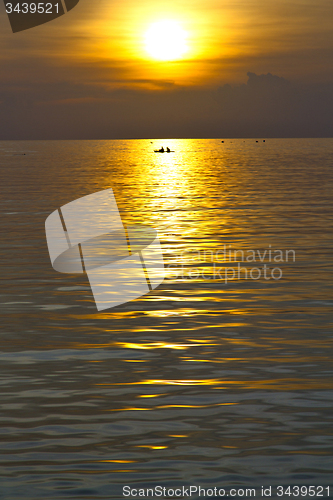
x,y
168,150
161,150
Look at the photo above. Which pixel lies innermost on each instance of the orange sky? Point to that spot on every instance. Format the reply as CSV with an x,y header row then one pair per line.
x,y
87,74
226,39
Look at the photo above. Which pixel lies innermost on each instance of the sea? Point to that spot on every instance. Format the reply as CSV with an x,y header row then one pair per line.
x,y
218,383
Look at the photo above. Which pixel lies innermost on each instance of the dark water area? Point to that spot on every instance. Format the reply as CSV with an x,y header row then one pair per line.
x,y
214,379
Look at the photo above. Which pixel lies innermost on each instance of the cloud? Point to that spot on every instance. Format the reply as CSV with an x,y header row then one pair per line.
x,y
266,106
269,105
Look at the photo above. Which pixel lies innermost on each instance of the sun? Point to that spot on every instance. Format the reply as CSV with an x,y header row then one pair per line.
x,y
166,41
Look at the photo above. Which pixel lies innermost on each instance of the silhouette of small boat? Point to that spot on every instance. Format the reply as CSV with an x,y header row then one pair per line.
x,y
160,151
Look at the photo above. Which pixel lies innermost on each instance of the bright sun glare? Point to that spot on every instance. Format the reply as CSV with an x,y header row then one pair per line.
x,y
166,41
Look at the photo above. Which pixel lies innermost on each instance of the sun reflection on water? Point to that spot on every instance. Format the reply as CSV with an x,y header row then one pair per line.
x,y
237,373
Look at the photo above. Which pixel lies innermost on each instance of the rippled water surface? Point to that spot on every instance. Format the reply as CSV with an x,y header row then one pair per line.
x,y
202,381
